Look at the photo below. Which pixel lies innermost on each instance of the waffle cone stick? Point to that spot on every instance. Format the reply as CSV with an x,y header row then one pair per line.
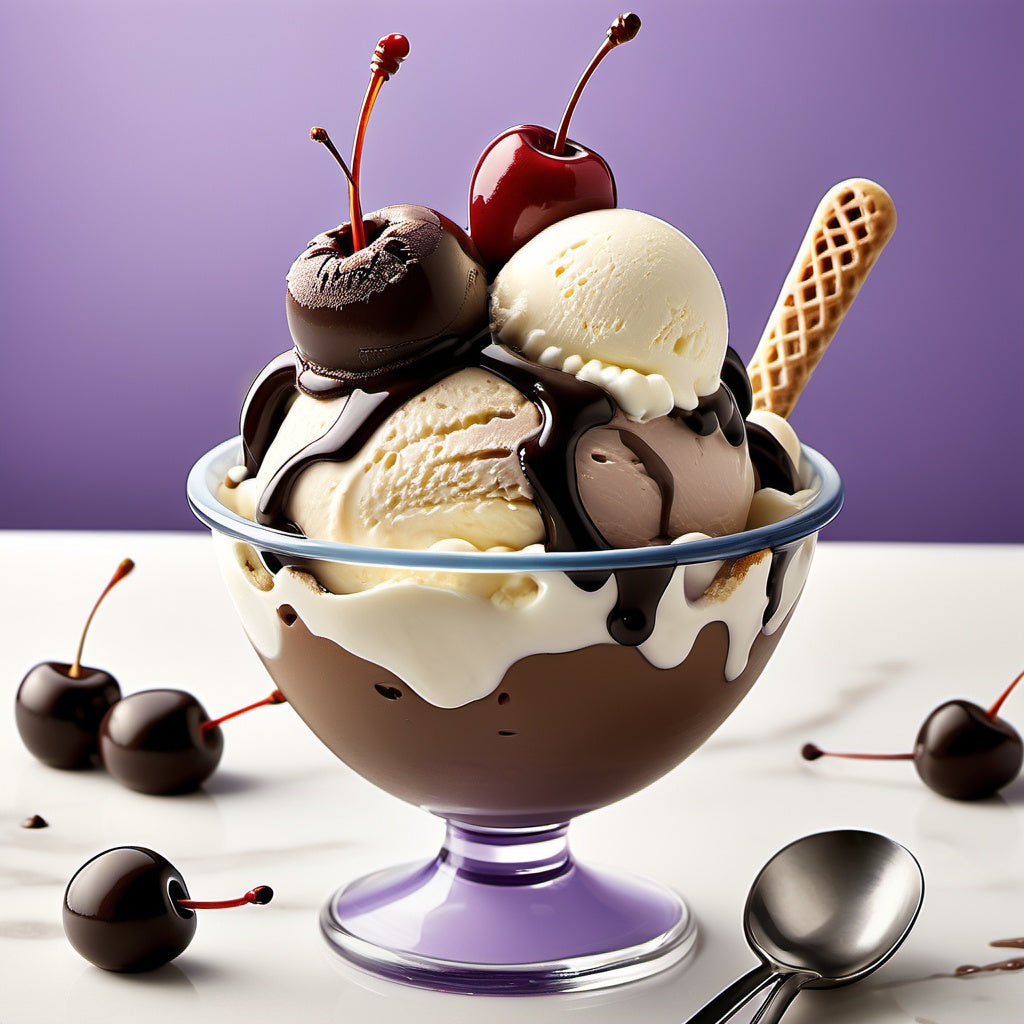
x,y
849,230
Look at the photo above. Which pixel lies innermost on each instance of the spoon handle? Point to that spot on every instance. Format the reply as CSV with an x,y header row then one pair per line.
x,y
730,999
781,996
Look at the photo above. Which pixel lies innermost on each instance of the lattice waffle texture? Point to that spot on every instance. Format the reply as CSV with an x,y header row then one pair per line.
x,y
850,227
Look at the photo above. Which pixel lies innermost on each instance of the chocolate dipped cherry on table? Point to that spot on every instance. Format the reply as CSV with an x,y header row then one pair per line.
x,y
962,751
154,741
529,177
58,707
163,742
128,910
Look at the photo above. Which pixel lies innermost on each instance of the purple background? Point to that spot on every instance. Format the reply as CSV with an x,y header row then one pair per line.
x,y
157,181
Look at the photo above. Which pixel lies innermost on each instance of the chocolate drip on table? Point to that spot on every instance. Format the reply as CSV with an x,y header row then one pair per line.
x,y
1013,964
569,407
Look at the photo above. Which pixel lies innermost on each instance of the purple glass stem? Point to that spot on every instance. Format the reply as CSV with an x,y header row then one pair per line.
x,y
507,909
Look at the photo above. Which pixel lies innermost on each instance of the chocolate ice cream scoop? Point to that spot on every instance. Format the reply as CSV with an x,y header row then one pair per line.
x,y
650,483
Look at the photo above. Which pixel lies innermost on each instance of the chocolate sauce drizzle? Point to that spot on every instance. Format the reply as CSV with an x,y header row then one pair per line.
x,y
658,470
569,407
771,461
720,411
781,559
265,407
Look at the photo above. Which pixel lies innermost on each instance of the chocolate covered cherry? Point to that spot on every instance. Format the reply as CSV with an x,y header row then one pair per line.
x,y
163,742
962,751
59,706
357,316
379,292
128,910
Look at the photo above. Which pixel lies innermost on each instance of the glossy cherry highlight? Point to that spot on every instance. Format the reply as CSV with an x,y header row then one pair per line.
x,y
962,751
59,706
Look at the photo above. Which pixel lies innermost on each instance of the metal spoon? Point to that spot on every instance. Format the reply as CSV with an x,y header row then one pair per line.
x,y
825,911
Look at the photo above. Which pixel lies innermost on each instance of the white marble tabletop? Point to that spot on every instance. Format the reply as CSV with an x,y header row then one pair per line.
x,y
934,622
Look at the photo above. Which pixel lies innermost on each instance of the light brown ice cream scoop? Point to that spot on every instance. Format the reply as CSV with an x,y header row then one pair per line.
x,y
850,228
649,483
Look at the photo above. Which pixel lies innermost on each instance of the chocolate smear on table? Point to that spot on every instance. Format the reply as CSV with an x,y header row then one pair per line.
x,y
35,821
1013,964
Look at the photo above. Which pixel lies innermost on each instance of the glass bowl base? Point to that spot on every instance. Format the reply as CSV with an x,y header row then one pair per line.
x,y
508,911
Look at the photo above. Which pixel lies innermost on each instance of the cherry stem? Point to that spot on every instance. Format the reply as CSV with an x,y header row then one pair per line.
x,y
622,29
320,135
119,574
277,697
391,51
261,895
994,710
811,752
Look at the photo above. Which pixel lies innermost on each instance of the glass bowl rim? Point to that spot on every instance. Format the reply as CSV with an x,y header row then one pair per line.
x,y
209,470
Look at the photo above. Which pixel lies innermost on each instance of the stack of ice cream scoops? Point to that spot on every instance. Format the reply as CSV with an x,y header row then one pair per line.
x,y
563,384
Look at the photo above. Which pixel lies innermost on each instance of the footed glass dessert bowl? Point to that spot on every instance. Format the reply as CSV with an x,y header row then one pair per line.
x,y
509,693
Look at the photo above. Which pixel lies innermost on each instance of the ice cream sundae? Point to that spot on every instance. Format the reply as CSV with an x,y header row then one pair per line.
x,y
459,410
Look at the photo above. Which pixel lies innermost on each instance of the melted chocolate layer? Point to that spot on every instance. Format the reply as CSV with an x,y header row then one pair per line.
x,y
604,710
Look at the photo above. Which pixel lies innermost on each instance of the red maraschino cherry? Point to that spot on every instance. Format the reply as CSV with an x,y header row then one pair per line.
x,y
962,751
529,177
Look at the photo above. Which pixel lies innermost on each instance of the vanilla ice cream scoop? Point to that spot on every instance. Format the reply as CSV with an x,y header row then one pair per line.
x,y
622,299
443,468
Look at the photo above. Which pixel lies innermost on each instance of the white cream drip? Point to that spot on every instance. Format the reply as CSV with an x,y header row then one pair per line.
x,y
641,396
454,646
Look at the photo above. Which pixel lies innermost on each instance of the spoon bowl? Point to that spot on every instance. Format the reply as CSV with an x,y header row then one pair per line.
x,y
835,904
825,911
